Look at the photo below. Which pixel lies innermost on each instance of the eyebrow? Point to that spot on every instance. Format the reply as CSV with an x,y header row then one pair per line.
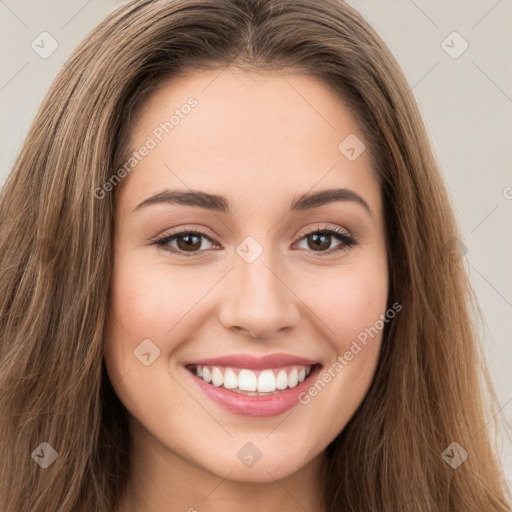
x,y
220,204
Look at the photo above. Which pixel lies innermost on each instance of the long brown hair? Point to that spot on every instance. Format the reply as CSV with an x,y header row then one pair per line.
x,y
56,260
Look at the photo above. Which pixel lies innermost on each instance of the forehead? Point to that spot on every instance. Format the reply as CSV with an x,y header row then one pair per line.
x,y
249,134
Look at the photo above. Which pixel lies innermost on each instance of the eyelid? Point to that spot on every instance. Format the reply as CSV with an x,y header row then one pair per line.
x,y
203,231
326,227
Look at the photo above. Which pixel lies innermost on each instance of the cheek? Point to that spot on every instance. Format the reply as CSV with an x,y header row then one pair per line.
x,y
154,301
149,299
350,302
347,300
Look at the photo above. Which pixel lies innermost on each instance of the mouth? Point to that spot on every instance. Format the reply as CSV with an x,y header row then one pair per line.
x,y
257,393
250,382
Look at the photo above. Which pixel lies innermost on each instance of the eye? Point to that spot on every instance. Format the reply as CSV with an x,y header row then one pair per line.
x,y
189,243
320,239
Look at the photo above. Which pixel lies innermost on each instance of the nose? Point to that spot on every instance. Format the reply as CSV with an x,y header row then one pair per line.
x,y
258,299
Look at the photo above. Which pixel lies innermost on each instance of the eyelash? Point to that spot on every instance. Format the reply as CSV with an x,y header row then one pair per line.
x,y
346,239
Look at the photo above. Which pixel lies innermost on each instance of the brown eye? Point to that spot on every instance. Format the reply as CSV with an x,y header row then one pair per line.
x,y
320,240
188,242
185,241
191,243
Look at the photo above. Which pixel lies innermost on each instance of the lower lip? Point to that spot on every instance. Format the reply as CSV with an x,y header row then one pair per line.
x,y
255,406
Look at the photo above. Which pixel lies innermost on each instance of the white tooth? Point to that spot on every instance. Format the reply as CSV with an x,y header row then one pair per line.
x,y
281,380
247,380
207,376
308,370
199,371
293,378
302,374
266,381
230,379
217,378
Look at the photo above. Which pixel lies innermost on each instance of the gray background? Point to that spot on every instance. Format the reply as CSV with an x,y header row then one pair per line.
x,y
466,103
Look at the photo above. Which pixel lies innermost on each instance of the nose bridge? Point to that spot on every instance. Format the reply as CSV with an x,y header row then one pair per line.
x,y
258,299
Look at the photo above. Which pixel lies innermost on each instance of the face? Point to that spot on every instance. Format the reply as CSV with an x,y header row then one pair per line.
x,y
262,292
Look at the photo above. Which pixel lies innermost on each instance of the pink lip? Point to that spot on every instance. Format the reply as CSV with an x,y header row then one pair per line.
x,y
256,406
252,362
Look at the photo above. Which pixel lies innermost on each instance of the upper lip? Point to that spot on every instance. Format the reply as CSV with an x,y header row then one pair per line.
x,y
254,362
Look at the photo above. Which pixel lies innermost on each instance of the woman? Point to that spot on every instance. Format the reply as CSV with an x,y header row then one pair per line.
x,y
228,277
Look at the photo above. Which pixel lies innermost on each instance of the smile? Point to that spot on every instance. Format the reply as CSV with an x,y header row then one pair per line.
x,y
252,382
253,386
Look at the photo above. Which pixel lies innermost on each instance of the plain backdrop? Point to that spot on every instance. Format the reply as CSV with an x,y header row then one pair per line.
x,y
457,59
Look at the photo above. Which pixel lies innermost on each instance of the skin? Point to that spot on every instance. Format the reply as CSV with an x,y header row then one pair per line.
x,y
255,140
